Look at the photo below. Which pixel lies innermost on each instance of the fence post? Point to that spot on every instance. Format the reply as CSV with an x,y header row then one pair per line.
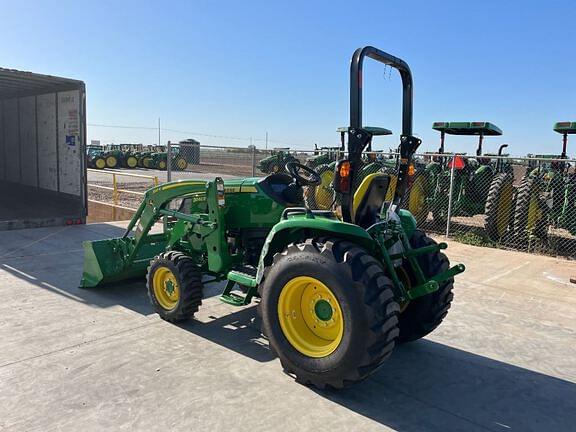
x,y
450,197
169,162
114,190
253,161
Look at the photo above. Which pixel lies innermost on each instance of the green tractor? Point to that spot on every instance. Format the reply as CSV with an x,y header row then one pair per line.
x,y
547,193
323,196
335,295
480,185
95,157
276,162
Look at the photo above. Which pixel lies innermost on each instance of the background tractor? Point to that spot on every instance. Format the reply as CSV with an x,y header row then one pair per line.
x,y
335,294
480,185
95,157
276,162
547,193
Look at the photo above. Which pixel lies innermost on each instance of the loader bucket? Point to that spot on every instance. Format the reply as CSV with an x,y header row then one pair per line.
x,y
107,261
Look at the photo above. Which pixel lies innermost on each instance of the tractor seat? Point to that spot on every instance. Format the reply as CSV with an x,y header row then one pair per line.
x,y
369,199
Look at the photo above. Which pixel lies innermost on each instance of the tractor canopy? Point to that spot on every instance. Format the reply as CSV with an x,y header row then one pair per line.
x,y
565,127
467,128
375,131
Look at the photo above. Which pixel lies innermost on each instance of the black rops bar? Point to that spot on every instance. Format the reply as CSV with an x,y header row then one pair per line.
x,y
356,85
358,138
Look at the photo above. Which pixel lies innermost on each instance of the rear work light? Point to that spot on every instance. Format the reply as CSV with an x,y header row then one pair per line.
x,y
458,163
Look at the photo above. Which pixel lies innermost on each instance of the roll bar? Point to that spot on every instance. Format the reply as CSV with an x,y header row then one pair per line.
x,y
356,85
359,138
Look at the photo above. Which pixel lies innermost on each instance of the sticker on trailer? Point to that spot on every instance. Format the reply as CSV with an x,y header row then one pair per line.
x,y
71,140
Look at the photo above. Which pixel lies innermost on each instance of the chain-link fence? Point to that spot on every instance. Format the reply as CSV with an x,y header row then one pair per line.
x,y
526,204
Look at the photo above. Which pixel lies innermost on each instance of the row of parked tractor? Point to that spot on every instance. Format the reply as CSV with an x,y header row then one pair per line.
x,y
522,209
135,156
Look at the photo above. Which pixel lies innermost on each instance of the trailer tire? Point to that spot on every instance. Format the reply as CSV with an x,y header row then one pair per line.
x,y
499,206
362,329
421,316
179,273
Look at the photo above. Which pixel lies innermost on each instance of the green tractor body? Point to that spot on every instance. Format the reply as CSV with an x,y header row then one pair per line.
x,y
95,157
547,193
336,290
276,162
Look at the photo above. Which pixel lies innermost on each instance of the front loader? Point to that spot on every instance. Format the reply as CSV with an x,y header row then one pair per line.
x,y
335,293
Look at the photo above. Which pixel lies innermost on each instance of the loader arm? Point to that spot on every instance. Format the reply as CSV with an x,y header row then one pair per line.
x,y
122,258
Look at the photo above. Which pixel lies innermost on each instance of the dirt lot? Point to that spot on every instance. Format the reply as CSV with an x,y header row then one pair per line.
x,y
97,360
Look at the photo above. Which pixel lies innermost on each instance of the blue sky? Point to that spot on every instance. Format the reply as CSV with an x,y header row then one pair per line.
x,y
244,68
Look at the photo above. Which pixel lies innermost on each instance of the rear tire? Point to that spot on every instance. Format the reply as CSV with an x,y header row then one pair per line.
x,y
415,200
530,211
99,163
499,206
111,161
422,315
131,162
365,298
174,283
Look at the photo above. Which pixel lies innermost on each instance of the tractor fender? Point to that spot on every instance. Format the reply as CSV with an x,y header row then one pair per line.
x,y
484,170
408,222
299,227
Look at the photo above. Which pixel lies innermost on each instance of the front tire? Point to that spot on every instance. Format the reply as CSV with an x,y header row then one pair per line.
x,y
421,316
530,211
358,299
174,283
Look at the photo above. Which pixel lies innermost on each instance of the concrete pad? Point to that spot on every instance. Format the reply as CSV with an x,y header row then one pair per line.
x,y
93,360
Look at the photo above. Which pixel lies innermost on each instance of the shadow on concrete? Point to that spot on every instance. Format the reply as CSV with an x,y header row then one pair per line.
x,y
429,386
423,386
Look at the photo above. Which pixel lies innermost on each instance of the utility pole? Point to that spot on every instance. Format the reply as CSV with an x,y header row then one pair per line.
x,y
266,140
159,143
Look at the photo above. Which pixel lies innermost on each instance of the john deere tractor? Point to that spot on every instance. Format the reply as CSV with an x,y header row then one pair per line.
x,y
480,185
547,194
323,196
335,295
276,162
95,157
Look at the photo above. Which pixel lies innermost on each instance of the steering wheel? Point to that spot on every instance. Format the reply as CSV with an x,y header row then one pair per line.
x,y
296,170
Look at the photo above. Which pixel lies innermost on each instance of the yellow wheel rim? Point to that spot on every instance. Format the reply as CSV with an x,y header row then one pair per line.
x,y
100,163
166,288
391,188
162,165
324,194
533,213
111,161
310,317
132,162
417,198
146,162
182,164
504,209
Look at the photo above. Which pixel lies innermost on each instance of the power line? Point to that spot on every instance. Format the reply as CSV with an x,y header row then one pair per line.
x,y
247,139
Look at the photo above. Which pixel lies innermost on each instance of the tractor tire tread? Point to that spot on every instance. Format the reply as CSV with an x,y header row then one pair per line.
x,y
190,281
376,292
